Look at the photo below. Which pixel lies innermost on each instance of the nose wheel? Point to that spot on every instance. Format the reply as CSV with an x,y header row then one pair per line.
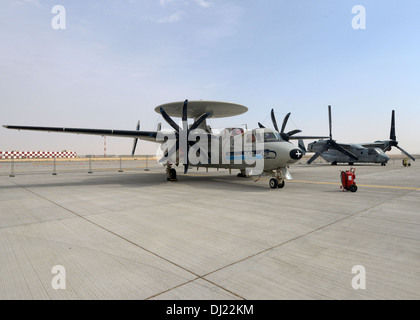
x,y
276,183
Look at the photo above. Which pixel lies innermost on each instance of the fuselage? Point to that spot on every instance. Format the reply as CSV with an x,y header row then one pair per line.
x,y
364,155
259,149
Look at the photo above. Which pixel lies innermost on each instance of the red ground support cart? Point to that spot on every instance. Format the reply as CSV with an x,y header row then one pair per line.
x,y
348,180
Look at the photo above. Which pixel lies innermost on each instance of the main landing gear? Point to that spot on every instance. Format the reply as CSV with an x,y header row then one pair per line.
x,y
170,173
242,174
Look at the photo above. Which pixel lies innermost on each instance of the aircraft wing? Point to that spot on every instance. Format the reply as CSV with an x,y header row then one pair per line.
x,y
380,145
306,137
143,135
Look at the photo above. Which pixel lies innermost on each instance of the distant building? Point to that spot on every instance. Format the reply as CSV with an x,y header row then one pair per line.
x,y
36,154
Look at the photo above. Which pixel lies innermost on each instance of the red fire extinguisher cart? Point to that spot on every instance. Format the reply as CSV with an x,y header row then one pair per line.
x,y
348,180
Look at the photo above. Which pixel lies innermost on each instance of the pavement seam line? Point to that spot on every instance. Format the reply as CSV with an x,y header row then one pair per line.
x,y
303,235
133,243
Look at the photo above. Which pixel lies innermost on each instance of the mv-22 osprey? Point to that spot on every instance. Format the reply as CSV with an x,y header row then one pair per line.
x,y
253,152
372,152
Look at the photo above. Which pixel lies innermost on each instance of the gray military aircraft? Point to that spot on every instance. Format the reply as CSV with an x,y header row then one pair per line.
x,y
351,153
253,152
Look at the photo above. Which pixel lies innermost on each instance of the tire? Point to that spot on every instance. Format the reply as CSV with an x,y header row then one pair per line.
x,y
353,188
172,175
281,184
273,183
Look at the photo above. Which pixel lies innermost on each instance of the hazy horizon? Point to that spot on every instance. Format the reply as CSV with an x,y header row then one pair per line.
x,y
117,60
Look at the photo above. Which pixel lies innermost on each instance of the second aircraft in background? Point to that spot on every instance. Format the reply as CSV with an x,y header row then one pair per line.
x,y
374,152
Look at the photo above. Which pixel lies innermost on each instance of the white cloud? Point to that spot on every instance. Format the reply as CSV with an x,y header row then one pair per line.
x,y
170,19
30,2
203,3
165,2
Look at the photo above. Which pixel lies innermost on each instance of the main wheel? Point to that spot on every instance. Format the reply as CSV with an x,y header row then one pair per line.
x,y
281,184
172,175
273,183
353,188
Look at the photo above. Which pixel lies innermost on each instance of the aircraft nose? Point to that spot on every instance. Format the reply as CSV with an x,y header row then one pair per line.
x,y
296,154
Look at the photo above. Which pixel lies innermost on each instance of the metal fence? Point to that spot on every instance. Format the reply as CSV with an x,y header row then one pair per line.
x,y
89,164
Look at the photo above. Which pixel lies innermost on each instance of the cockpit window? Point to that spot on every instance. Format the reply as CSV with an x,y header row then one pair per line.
x,y
271,136
373,151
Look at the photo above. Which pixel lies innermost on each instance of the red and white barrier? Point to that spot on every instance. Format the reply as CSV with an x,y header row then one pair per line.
x,y
36,154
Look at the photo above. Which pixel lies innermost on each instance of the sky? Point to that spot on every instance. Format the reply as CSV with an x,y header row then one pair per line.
x,y
115,61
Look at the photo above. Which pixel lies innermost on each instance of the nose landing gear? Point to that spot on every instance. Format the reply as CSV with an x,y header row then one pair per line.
x,y
276,183
278,179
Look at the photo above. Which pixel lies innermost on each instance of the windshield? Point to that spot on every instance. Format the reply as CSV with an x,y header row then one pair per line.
x,y
271,136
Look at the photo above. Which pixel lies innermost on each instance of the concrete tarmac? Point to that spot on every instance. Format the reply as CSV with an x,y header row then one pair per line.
x,y
134,235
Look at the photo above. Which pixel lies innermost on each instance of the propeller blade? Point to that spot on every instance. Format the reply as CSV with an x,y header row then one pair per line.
x,y
197,123
260,125
293,132
169,120
337,147
317,154
273,119
185,115
283,126
406,153
392,134
135,139
134,146
330,121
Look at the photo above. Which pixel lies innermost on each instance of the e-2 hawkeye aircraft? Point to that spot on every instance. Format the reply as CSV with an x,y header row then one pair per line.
x,y
253,152
351,153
